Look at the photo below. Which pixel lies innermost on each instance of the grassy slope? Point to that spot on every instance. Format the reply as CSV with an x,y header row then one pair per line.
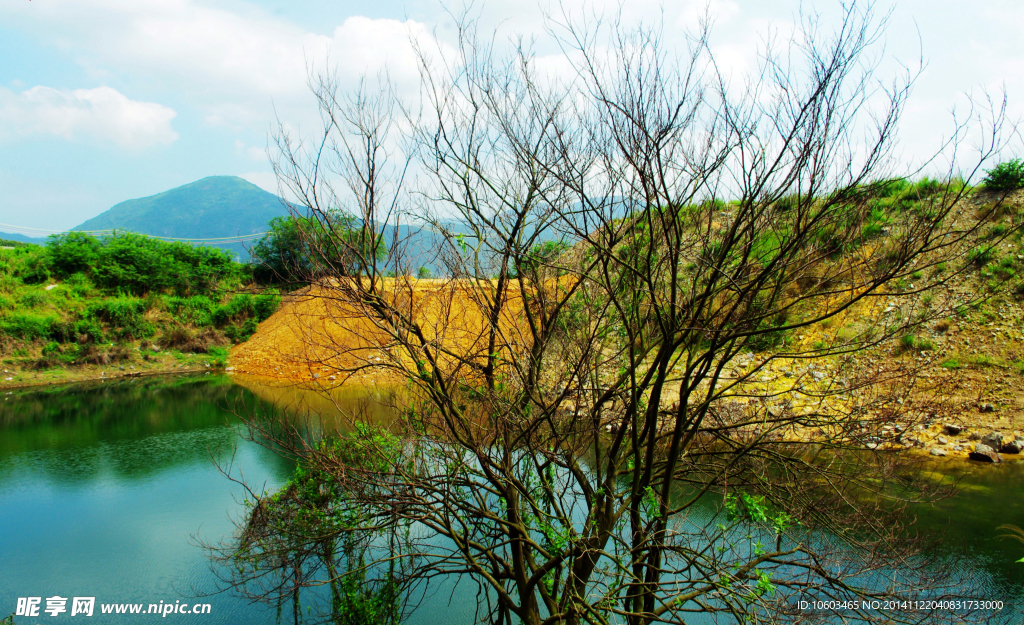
x,y
60,325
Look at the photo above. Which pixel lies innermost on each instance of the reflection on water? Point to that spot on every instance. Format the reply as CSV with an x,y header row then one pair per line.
x,y
104,489
968,522
334,408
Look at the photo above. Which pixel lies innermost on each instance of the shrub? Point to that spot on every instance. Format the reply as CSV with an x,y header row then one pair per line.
x,y
34,268
28,326
220,356
981,255
185,340
242,332
140,264
96,355
33,299
245,306
88,331
997,231
73,252
197,310
124,315
1007,176
266,304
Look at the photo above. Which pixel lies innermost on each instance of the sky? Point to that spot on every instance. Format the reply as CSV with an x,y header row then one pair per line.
x,y
103,101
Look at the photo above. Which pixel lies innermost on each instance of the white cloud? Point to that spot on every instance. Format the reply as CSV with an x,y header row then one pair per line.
x,y
251,152
102,115
220,53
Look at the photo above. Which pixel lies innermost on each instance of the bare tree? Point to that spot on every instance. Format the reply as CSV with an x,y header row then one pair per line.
x,y
644,385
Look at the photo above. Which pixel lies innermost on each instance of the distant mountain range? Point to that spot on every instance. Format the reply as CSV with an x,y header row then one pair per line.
x,y
227,206
212,208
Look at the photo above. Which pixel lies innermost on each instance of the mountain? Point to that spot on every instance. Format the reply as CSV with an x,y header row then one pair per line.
x,y
20,238
211,208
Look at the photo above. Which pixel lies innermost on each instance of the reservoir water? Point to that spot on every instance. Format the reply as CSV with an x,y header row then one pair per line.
x,y
107,490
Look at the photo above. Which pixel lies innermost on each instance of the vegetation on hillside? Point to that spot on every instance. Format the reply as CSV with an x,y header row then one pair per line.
x,y
82,299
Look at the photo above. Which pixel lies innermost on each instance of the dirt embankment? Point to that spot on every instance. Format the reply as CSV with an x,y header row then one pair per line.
x,y
316,339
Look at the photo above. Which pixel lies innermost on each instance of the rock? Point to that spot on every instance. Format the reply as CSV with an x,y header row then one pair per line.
x,y
316,375
973,436
984,453
942,440
993,440
986,408
952,429
937,452
229,369
958,448
1013,447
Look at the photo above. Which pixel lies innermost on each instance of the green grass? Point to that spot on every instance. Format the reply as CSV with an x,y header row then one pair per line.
x,y
912,343
982,360
952,363
99,302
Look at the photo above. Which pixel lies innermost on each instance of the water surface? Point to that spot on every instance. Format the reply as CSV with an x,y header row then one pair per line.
x,y
107,489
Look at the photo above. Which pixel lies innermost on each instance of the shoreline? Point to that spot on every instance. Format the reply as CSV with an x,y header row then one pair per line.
x,y
19,379
200,363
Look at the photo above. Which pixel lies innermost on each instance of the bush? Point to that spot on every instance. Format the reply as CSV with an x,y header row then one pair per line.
x,y
911,343
140,264
981,256
1007,176
33,299
88,331
220,356
34,268
124,315
197,310
28,326
242,332
245,306
74,252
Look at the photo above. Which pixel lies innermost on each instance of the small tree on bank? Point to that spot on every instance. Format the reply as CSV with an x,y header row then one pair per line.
x,y
673,412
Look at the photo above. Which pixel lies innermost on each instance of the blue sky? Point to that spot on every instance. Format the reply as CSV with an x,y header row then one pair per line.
x,y
107,100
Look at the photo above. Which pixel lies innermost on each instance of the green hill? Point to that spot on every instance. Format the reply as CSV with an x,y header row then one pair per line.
x,y
214,207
